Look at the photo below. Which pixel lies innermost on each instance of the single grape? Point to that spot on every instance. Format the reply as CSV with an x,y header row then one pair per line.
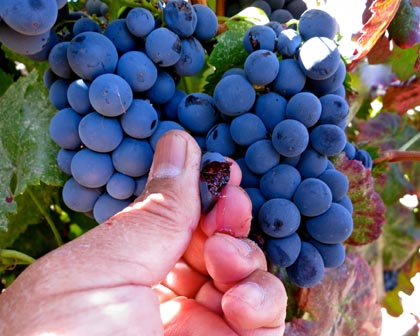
x,y
290,137
259,37
330,84
78,96
57,60
58,93
319,58
257,200
106,206
279,217
249,179
247,129
162,90
317,23
192,57
140,120
110,95
220,140
335,109
333,255
64,127
312,163
140,22
337,182
304,107
120,186
332,227
140,185
64,158
308,269
281,15
170,109
290,78
133,157
261,67
271,108
120,36
91,54
197,112
261,156
328,139
346,202
349,150
288,42
234,95
99,133
283,252
280,182
180,17
79,198
164,47
296,8
313,197
207,23
138,70
85,24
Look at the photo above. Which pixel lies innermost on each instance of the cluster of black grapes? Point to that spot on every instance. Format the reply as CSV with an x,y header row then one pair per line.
x,y
281,116
280,11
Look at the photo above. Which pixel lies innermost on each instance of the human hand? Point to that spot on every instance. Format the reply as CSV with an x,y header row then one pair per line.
x,y
158,267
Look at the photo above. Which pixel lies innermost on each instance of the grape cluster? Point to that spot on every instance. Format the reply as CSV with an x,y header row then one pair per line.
x,y
280,11
113,90
282,117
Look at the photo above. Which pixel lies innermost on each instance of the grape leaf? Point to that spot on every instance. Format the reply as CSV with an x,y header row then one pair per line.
x,y
344,303
403,96
27,151
368,207
383,11
228,52
404,28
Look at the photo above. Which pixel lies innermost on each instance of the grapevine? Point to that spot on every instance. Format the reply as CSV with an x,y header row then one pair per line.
x,y
271,91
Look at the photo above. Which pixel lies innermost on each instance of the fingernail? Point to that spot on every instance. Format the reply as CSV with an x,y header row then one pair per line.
x,y
169,156
250,293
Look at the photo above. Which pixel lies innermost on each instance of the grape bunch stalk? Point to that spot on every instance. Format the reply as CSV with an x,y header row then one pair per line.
x,y
281,116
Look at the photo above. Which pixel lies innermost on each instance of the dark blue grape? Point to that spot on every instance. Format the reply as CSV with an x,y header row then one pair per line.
x,y
120,186
296,8
197,112
288,42
335,109
337,182
133,157
249,179
312,197
140,22
91,169
180,17
319,58
308,269
279,217
29,17
261,156
79,198
192,58
330,84
349,150
119,34
164,47
57,60
170,109
283,252
261,67
78,96
333,255
263,5
138,70
290,78
64,129
247,128
281,15
304,107
234,71
99,133
49,77
207,23
259,37
110,95
140,185
290,137
271,108
140,120
280,182
86,24
219,140
106,206
346,202
363,156
317,23
163,89
391,279
332,227
312,163
64,158
58,93
234,95
328,139
92,54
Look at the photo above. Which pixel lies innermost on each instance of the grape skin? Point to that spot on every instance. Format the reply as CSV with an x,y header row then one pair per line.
x,y
280,182
283,252
219,140
247,129
259,37
180,17
207,23
304,107
313,197
328,139
79,198
271,108
164,47
141,119
261,67
261,156
290,137
64,127
78,96
120,186
140,22
106,206
317,23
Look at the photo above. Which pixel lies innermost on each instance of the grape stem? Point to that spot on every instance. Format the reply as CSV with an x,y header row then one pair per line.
x,y
398,156
13,258
48,218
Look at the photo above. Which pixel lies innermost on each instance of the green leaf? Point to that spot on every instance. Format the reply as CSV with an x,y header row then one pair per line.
x,y
27,151
5,81
228,52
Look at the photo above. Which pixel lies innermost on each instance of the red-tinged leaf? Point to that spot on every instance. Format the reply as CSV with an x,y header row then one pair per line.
x,y
383,11
368,207
404,29
402,97
380,51
344,303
